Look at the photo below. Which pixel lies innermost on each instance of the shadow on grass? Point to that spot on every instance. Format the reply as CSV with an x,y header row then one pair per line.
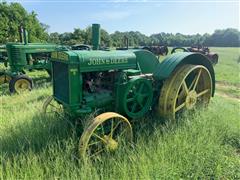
x,y
47,131
233,140
43,130
145,127
36,135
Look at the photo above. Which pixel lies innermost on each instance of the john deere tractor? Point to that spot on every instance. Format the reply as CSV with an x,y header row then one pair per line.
x,y
3,54
121,85
25,56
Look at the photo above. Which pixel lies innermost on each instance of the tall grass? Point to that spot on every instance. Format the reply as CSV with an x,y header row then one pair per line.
x,y
205,145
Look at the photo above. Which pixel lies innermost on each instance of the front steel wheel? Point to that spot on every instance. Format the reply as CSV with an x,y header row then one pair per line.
x,y
187,87
52,107
105,133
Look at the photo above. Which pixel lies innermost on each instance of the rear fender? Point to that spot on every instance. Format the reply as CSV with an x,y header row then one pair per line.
x,y
169,64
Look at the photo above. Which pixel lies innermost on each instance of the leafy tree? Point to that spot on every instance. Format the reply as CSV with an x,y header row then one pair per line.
x,y
54,38
12,16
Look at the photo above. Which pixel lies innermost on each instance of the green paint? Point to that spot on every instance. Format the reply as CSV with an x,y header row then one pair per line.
x,y
124,81
20,54
168,65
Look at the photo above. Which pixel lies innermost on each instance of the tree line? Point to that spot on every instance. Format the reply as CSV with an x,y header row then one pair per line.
x,y
13,15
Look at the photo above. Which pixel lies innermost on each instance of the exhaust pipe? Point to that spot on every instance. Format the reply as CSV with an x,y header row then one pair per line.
x,y
96,36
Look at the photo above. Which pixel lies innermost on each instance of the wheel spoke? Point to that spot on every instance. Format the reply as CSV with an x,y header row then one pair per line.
x,y
55,109
94,143
120,135
53,106
181,97
180,107
192,84
203,92
197,79
97,136
111,132
113,129
96,153
103,132
185,87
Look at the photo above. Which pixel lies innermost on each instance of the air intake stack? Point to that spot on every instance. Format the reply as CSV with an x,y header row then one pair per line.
x,y
23,34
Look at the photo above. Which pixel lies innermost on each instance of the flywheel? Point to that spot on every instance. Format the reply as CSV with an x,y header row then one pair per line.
x,y
137,98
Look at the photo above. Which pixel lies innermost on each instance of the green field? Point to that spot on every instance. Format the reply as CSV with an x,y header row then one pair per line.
x,y
205,145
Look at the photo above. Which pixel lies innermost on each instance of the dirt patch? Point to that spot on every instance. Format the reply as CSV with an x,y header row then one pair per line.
x,y
228,97
228,90
227,84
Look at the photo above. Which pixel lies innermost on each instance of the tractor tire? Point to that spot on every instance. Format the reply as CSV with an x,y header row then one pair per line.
x,y
20,83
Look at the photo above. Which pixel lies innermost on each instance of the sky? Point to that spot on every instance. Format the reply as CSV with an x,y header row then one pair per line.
x,y
146,16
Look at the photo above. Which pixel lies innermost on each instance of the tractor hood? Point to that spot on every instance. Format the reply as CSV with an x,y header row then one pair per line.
x,y
97,60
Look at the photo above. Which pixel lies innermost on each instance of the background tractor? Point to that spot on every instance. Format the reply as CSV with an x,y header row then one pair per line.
x,y
3,54
124,85
157,50
213,57
25,56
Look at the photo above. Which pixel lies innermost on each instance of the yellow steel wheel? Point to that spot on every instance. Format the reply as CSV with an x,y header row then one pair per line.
x,y
4,78
104,134
22,85
187,87
52,107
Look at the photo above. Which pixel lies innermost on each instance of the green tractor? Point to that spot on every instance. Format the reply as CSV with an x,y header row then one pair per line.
x,y
124,85
25,56
3,54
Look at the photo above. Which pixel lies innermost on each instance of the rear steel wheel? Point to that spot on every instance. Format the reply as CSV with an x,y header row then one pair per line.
x,y
105,133
20,84
52,107
187,87
137,98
